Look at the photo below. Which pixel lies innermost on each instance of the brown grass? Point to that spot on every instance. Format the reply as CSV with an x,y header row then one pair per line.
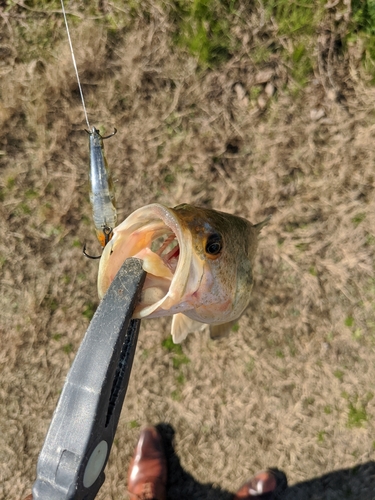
x,y
293,388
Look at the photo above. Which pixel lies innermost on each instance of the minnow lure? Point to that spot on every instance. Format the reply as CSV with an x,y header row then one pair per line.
x,y
102,194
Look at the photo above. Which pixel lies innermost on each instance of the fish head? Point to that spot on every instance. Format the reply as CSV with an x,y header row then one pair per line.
x,y
223,247
198,261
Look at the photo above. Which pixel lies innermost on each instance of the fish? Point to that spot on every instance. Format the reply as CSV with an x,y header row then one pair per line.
x,y
199,264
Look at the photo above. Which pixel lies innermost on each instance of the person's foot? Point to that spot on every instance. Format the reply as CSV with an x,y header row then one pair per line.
x,y
147,476
262,486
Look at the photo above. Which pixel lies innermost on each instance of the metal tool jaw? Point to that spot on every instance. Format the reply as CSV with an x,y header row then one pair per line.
x,y
76,449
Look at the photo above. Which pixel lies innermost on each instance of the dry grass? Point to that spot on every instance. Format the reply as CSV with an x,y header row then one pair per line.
x,y
293,388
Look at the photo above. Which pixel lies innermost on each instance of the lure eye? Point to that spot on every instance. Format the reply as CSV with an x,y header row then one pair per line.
x,y
214,244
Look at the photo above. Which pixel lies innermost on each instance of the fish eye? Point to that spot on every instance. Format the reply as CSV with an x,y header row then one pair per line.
x,y
214,244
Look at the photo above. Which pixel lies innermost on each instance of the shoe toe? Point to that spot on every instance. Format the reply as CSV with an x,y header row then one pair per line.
x,y
148,468
262,486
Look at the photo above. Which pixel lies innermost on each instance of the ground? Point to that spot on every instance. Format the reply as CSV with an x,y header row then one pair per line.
x,y
252,127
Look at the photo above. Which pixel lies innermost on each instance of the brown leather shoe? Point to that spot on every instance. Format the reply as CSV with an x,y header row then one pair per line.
x,y
261,486
147,477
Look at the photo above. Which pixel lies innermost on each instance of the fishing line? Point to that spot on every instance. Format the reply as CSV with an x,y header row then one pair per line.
x,y
75,65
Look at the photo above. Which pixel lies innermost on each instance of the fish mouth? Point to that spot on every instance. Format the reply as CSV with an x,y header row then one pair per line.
x,y
155,235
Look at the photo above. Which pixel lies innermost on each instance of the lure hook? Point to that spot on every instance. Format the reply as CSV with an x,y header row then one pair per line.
x,y
88,255
106,137
107,232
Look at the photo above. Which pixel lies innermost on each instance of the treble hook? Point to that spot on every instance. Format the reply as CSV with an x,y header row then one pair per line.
x,y
108,232
87,255
106,137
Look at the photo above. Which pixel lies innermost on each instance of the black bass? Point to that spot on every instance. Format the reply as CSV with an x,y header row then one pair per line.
x,y
199,265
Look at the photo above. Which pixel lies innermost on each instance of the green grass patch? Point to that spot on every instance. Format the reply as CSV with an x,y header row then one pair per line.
x,y
68,348
145,353
310,400
89,311
328,409
362,30
21,209
10,182
357,416
302,67
303,246
31,194
179,357
261,54
170,346
250,365
66,279
134,424
363,15
180,360
298,23
321,436
50,303
203,28
176,395
254,93
77,244
357,334
169,179
339,374
313,271
349,321
294,17
358,218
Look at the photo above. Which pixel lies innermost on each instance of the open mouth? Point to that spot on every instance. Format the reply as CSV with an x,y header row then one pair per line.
x,y
153,234
160,257
168,250
164,250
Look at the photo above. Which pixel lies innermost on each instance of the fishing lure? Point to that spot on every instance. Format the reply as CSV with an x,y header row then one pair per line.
x,y
102,194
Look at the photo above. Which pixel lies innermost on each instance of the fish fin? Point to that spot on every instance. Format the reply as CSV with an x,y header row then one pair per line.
x,y
182,325
264,222
223,330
